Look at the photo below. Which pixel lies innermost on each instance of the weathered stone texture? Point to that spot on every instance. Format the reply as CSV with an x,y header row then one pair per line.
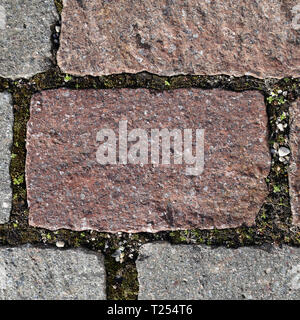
x,y
68,188
25,37
189,272
171,37
6,138
294,171
28,273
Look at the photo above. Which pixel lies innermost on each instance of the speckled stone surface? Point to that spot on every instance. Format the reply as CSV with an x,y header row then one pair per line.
x,y
68,188
188,272
171,37
6,139
28,273
25,37
294,170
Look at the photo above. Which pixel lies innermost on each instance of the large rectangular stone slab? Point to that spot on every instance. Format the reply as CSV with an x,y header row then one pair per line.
x,y
25,37
28,273
171,37
187,272
294,170
6,139
68,187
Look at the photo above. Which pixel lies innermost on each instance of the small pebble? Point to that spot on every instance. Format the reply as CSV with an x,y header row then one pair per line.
x,y
283,151
60,244
280,127
116,254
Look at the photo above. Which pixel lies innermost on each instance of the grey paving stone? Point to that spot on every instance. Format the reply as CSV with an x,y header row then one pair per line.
x,y
25,37
6,137
43,273
202,272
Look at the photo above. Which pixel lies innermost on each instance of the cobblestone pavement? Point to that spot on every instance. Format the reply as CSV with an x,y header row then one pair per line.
x,y
149,150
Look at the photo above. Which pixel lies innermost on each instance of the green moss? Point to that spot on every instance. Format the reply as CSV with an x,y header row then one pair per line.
x,y
67,78
19,180
122,279
4,84
276,189
59,5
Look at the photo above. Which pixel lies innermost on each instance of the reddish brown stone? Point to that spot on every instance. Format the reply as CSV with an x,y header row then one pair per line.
x,y
170,37
67,188
294,172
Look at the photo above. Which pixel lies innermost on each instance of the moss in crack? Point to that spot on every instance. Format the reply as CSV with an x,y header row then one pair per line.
x,y
277,220
18,224
4,84
54,78
21,100
59,5
122,279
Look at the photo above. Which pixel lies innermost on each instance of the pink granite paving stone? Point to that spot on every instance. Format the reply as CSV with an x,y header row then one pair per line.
x,y
294,172
171,37
134,190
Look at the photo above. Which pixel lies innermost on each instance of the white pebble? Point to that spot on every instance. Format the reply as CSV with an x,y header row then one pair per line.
x,y
283,151
280,127
60,244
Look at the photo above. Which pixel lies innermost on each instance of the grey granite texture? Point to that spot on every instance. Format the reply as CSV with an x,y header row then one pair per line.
x,y
25,37
28,273
201,272
6,138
